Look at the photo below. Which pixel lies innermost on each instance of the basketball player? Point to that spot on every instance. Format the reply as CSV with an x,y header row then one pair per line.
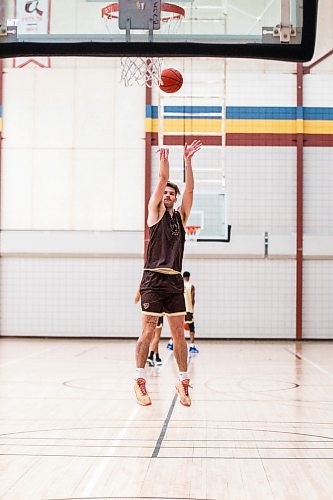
x,y
189,294
162,285
154,345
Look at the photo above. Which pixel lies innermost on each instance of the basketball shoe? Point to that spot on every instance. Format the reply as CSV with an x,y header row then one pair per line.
x,y
150,359
141,393
182,391
158,360
193,350
170,345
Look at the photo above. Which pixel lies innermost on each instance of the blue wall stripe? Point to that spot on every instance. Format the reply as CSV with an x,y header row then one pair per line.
x,y
261,113
278,113
192,117
192,109
241,112
151,111
299,112
318,113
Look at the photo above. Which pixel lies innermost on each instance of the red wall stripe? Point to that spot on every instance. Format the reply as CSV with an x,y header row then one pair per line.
x,y
179,140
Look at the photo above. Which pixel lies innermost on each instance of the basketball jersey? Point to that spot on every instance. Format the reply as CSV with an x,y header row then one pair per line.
x,y
166,244
188,296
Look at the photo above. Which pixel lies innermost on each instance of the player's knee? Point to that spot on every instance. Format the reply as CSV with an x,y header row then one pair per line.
x,y
178,332
148,330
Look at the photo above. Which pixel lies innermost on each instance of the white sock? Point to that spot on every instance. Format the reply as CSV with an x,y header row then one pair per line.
x,y
171,341
139,373
183,376
192,345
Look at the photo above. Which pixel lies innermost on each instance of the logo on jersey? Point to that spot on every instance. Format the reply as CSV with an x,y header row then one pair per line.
x,y
146,305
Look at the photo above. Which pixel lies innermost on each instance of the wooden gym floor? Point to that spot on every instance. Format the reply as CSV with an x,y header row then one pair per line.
x,y
260,427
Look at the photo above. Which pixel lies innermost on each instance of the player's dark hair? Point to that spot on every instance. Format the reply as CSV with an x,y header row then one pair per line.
x,y
173,186
186,274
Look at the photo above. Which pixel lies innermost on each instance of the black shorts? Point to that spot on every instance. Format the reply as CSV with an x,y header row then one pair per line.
x,y
190,321
162,294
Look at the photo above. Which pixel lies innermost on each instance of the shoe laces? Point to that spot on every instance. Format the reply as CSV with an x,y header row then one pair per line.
x,y
142,384
186,385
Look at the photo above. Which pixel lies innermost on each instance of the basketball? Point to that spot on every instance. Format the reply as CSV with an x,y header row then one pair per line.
x,y
186,326
171,80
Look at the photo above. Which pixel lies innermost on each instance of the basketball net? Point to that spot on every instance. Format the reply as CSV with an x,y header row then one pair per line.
x,y
143,70
192,233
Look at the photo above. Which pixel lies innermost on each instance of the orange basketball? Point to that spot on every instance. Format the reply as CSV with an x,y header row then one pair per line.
x,y
171,80
186,326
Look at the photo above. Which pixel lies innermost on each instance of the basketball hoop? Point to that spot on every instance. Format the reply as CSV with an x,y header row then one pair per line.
x,y
143,70
192,233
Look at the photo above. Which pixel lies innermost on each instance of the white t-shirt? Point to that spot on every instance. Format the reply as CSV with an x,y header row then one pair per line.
x,y
188,296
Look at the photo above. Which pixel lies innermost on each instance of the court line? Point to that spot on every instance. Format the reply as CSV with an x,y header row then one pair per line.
x,y
197,457
19,360
166,422
191,446
106,460
135,498
167,359
164,428
307,360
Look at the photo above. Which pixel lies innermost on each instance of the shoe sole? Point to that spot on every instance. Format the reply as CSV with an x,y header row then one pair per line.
x,y
143,404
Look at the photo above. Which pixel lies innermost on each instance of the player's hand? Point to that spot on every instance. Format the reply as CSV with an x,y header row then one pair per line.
x,y
190,150
137,297
164,153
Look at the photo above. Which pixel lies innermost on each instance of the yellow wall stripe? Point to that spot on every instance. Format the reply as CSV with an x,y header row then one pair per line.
x,y
151,125
192,126
239,126
318,126
261,126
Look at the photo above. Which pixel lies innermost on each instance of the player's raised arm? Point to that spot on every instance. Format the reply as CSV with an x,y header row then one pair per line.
x,y
155,202
187,200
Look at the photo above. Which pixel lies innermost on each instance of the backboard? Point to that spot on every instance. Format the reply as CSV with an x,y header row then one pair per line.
x,y
269,29
209,211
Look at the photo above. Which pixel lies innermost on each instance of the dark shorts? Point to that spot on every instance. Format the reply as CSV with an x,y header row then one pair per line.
x,y
162,294
190,321
160,322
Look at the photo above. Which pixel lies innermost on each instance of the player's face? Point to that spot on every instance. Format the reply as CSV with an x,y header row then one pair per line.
x,y
169,197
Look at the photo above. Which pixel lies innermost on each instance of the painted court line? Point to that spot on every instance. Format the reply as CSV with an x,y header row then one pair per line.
x,y
23,358
307,360
98,472
164,428
166,422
